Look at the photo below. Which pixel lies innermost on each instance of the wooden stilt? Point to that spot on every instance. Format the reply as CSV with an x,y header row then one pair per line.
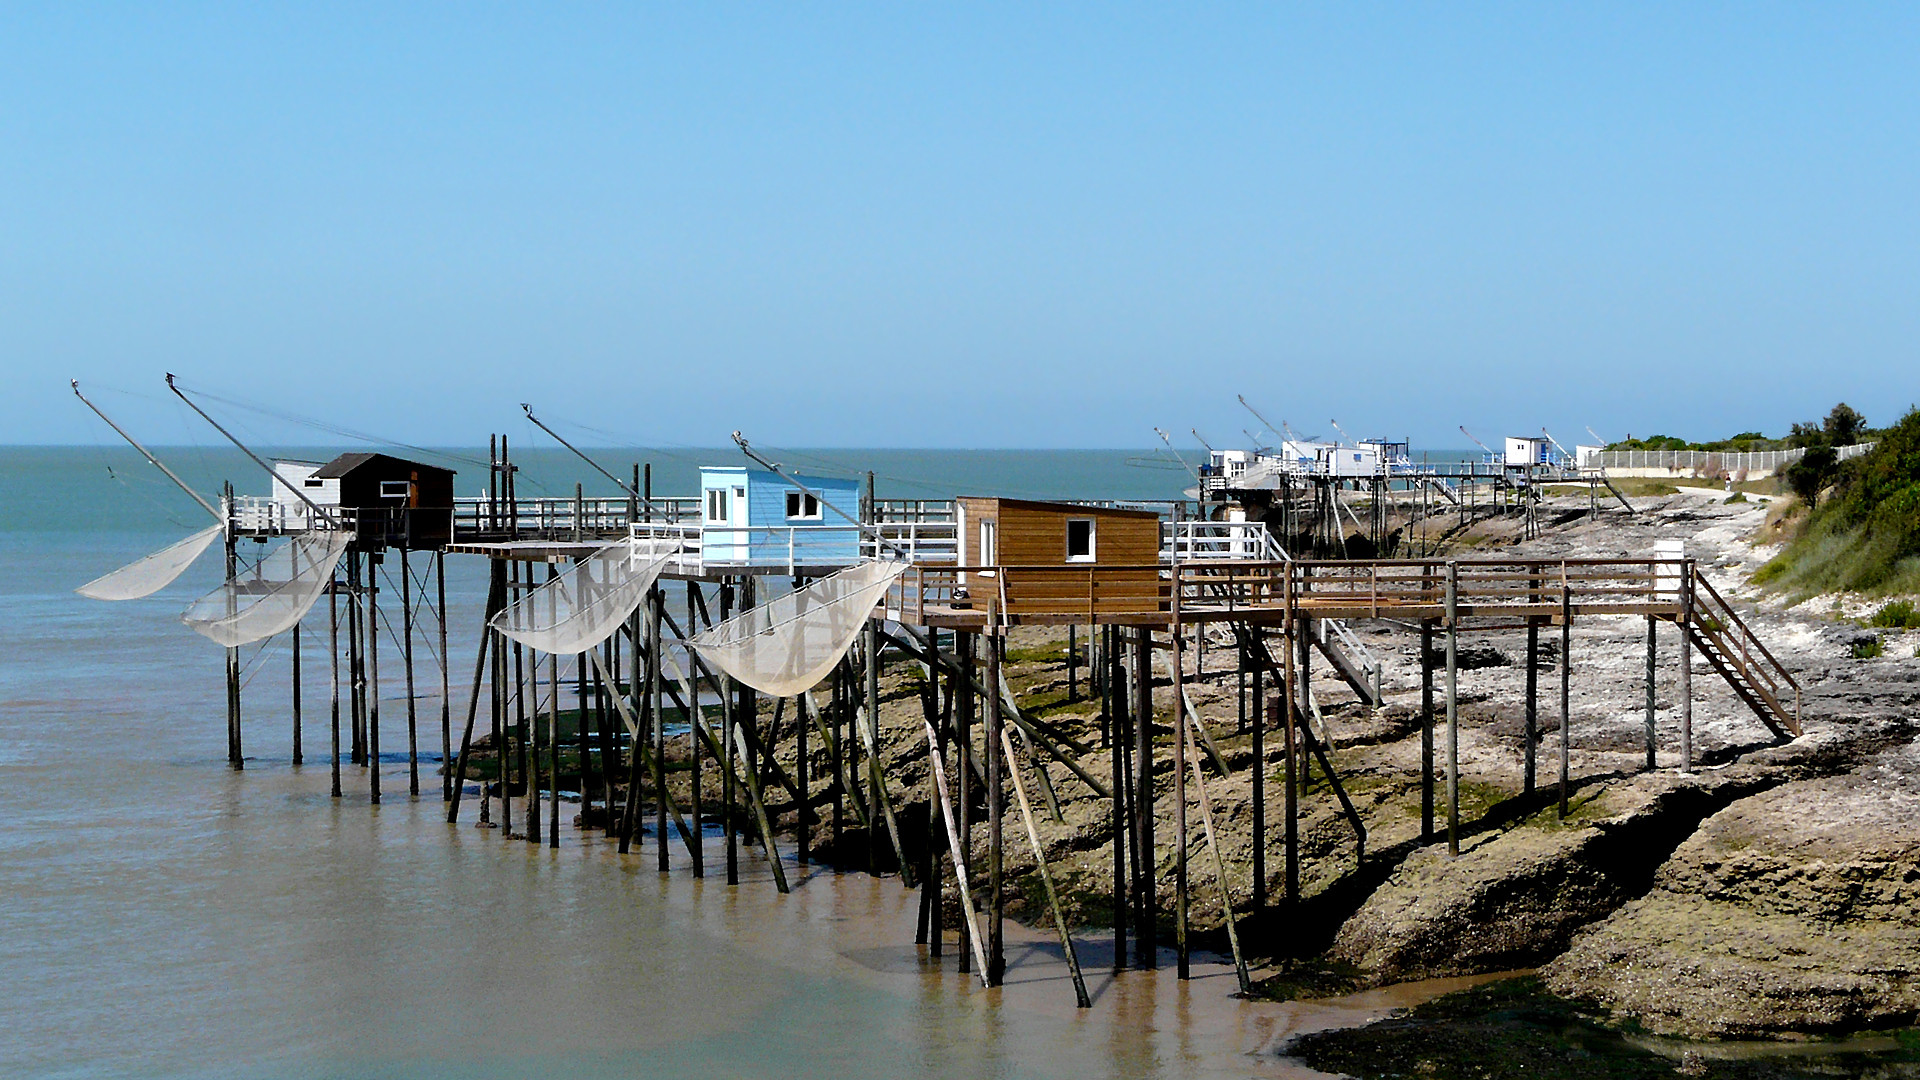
x,y
996,900
1453,709
1566,684
1532,716
406,659
1147,917
1685,625
297,755
553,753
971,944
446,678
1110,704
656,660
1046,877
333,665
1176,638
1653,645
1258,707
235,758
373,677
1290,686
728,797
695,720
496,599
970,937
1219,864
1426,731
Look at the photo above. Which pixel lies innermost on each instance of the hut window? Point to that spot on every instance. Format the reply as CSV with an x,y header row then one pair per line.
x,y
989,550
312,481
395,489
717,505
802,506
1079,539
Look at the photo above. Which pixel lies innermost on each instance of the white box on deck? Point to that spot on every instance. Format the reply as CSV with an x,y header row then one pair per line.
x,y
289,475
1526,450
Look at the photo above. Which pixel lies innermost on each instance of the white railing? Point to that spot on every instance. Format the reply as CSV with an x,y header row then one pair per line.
x,y
1183,541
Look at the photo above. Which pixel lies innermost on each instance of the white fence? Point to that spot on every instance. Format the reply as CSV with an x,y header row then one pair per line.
x,y
1710,462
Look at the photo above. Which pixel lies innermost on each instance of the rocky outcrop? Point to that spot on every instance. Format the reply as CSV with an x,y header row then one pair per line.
x,y
1516,896
1797,909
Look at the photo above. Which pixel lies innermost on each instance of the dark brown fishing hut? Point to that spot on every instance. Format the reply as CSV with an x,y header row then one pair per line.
x,y
393,502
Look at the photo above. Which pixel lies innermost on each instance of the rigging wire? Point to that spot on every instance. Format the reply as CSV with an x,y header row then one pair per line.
x,y
331,428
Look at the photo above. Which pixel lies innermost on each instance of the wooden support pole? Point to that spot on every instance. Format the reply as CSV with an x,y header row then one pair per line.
x,y
333,665
496,599
1290,691
1426,731
1653,645
1453,707
1219,866
373,677
1566,685
356,671
970,937
406,659
496,647
970,944
1532,708
656,657
235,758
553,753
1685,625
695,721
760,816
298,757
996,900
1046,877
582,732
1179,795
446,678
1258,709
1146,893
1111,704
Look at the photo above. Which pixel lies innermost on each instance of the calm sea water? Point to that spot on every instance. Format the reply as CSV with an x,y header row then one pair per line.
x,y
167,917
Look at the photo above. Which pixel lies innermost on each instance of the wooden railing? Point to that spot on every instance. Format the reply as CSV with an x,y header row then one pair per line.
x,y
1741,657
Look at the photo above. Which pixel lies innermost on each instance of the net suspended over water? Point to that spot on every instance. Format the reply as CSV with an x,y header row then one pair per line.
x,y
787,646
583,606
148,575
272,596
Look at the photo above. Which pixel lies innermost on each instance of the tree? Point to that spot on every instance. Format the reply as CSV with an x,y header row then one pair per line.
x,y
1843,425
1808,475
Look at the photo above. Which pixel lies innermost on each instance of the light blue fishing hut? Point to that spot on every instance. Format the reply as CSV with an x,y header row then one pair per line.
x,y
758,518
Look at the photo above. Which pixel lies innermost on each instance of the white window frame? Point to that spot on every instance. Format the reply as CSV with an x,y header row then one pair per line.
x,y
717,506
989,543
1093,533
808,504
387,489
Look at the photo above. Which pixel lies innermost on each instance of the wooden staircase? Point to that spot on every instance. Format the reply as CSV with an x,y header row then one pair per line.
x,y
1731,647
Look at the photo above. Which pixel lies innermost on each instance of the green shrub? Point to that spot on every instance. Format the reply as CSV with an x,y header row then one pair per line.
x,y
1866,537
1736,497
1898,615
1869,649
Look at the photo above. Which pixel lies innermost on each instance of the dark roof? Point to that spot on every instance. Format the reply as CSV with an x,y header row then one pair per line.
x,y
348,463
1075,509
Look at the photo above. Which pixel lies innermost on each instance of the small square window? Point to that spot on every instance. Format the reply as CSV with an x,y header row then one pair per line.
x,y
395,489
802,506
1079,539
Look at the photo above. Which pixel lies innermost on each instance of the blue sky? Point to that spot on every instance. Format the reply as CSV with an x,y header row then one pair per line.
x,y
986,226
